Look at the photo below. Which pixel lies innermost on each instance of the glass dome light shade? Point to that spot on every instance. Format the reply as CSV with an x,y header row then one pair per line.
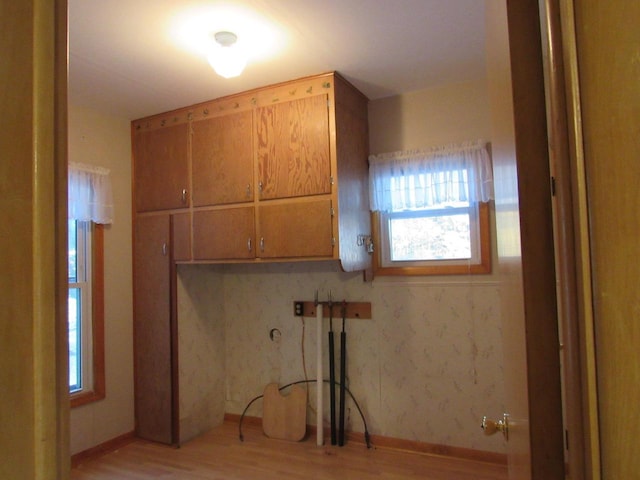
x,y
226,58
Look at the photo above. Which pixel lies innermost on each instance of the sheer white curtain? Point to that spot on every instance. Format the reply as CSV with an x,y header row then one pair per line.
x,y
415,179
90,197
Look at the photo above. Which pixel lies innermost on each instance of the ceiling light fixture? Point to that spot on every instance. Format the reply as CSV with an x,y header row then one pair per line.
x,y
226,57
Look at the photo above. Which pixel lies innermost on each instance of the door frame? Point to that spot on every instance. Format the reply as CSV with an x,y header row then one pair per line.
x,y
530,110
571,229
542,346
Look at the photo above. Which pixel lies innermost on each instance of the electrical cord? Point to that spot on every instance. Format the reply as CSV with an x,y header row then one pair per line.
x,y
367,438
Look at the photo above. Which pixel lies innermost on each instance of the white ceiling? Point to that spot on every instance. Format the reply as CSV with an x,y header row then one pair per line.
x,y
124,58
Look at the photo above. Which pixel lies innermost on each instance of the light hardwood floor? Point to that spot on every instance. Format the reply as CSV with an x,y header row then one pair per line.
x,y
219,454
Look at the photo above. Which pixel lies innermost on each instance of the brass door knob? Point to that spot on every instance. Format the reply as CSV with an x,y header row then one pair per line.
x,y
489,427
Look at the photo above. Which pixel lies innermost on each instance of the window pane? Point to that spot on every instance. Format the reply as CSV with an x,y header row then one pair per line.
x,y
430,238
75,343
73,250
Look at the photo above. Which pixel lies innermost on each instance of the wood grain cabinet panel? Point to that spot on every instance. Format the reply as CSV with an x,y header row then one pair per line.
x,y
181,236
222,159
278,173
152,329
293,148
300,229
224,234
269,163
161,168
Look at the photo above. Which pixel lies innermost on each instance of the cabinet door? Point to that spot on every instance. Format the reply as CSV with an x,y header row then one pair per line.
x,y
161,168
300,229
181,236
222,156
152,329
293,148
224,234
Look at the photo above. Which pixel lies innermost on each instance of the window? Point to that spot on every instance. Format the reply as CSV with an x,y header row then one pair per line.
x,y
80,341
90,206
452,240
86,312
431,213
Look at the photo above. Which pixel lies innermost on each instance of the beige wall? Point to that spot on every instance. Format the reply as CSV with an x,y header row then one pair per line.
x,y
201,348
103,140
437,116
426,367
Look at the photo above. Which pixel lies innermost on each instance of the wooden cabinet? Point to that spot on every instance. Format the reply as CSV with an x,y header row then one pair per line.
x,y
181,236
273,174
161,167
154,371
292,230
293,152
277,173
222,158
224,234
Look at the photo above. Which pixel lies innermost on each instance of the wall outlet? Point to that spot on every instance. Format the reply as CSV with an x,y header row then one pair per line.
x,y
298,309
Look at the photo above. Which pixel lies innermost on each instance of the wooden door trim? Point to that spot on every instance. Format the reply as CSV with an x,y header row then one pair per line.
x,y
572,240
538,269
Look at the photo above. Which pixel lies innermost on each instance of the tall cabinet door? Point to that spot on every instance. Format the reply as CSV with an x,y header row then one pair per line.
x,y
293,148
152,329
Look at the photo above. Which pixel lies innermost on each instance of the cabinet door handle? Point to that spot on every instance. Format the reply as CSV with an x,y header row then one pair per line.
x,y
260,187
249,244
164,249
248,190
184,195
262,244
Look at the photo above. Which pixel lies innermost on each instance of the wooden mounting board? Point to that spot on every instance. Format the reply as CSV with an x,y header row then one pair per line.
x,y
361,310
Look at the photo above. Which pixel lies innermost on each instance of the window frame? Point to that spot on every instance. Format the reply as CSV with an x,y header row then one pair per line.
x,y
97,390
435,267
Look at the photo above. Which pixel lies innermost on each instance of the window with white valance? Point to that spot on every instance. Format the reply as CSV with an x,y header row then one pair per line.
x,y
90,197
423,178
430,208
90,205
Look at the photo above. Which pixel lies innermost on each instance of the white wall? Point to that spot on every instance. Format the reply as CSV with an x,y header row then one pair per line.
x,y
103,140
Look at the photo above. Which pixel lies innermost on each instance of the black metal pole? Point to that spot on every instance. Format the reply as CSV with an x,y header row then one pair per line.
x,y
332,379
343,363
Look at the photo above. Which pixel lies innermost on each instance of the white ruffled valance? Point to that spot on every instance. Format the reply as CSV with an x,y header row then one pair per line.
x,y
444,175
90,197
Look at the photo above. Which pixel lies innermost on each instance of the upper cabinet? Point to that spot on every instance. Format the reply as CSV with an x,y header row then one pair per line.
x,y
273,174
161,167
293,152
222,158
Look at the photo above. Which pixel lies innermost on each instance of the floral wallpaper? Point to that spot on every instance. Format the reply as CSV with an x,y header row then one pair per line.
x,y
425,367
201,350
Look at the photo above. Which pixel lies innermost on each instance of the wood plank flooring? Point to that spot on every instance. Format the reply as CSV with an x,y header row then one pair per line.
x,y
219,454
